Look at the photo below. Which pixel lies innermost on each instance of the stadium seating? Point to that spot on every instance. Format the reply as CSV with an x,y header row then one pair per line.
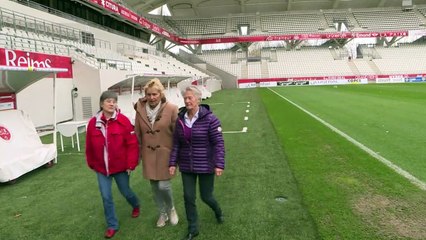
x,y
222,60
291,23
254,70
201,26
407,58
290,64
163,23
243,20
364,67
389,19
297,22
332,17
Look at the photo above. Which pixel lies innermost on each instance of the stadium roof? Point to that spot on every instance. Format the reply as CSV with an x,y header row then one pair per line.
x,y
211,8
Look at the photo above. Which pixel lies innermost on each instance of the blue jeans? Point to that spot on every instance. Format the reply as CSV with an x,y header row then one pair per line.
x,y
105,182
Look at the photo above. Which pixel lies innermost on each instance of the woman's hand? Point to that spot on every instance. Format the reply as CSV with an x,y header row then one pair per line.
x,y
172,170
218,171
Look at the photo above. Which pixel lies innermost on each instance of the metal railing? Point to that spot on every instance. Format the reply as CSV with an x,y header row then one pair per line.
x,y
15,20
76,19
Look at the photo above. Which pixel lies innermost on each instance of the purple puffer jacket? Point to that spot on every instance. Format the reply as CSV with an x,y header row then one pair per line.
x,y
205,151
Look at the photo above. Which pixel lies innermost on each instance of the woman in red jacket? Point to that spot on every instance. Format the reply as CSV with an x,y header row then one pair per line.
x,y
112,152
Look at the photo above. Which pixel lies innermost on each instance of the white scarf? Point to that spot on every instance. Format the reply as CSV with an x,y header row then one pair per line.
x,y
152,113
101,126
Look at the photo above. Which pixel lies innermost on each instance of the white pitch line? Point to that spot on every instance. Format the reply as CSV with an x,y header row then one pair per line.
x,y
73,153
242,131
400,171
247,111
245,118
248,106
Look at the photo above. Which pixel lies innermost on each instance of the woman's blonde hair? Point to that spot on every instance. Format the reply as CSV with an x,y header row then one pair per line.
x,y
155,84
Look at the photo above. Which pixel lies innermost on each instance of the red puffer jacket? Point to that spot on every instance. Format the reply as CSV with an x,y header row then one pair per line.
x,y
122,145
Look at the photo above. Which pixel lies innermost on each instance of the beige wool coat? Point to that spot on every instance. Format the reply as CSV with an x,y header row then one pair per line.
x,y
156,141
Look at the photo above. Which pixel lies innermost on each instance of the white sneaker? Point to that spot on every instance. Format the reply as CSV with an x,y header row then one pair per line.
x,y
174,219
161,222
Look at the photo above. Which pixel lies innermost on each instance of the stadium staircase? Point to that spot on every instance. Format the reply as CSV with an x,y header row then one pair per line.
x,y
352,19
373,66
264,69
228,80
354,68
181,59
420,16
244,69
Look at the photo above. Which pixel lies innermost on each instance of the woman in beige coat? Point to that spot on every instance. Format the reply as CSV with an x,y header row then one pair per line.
x,y
154,126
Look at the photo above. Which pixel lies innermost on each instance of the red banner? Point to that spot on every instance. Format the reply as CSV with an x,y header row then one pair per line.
x,y
129,15
369,77
344,35
7,101
17,58
133,17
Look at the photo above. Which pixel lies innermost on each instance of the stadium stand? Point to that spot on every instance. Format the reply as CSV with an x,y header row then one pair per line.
x,y
293,63
163,23
201,26
29,33
365,67
243,20
289,64
222,60
333,17
389,19
400,60
291,23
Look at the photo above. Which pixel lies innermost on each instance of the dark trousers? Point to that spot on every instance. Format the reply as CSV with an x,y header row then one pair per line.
x,y
206,184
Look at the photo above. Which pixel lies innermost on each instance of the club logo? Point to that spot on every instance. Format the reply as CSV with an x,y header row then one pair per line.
x,y
5,134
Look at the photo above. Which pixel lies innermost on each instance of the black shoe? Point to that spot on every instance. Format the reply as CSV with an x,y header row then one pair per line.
x,y
190,236
220,219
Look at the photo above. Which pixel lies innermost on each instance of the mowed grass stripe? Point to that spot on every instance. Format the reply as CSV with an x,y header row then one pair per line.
x,y
349,194
389,119
388,163
256,173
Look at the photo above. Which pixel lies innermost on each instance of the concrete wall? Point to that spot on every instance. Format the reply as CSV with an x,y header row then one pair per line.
x,y
87,80
37,101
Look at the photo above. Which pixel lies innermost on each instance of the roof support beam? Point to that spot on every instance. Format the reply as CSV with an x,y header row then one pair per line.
x,y
336,4
151,4
382,3
289,5
243,6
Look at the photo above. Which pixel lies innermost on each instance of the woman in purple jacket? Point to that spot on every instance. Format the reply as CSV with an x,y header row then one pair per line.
x,y
198,150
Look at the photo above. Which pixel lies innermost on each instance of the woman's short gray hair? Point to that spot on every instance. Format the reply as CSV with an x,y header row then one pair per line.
x,y
106,95
195,90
